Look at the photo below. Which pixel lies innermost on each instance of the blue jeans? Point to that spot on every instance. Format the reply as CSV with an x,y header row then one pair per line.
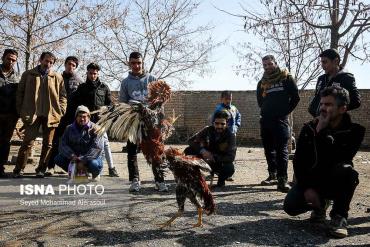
x,y
94,166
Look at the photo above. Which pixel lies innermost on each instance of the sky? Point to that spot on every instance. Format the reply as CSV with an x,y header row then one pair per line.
x,y
223,58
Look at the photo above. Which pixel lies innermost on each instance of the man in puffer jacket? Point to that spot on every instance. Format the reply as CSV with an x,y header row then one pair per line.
x,y
334,76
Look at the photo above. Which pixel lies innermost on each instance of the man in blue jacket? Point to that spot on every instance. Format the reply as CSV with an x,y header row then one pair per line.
x,y
134,88
81,144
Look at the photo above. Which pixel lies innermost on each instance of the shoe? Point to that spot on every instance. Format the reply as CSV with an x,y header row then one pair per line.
x,y
319,215
49,172
40,174
283,185
135,185
230,179
3,174
338,227
96,178
271,180
113,172
161,186
18,174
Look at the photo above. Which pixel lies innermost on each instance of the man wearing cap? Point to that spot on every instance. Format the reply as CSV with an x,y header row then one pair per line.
x,y
80,144
335,75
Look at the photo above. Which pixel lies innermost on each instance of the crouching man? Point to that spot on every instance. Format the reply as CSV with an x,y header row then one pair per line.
x,y
323,163
216,145
81,145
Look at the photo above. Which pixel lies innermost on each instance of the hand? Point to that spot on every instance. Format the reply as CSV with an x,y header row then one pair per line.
x,y
207,156
323,122
312,198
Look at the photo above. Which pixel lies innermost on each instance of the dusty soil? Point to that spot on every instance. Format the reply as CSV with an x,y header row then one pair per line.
x,y
247,214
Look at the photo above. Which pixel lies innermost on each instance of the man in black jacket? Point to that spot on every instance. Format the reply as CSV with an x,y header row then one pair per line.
x,y
216,145
8,113
323,163
335,75
71,83
277,96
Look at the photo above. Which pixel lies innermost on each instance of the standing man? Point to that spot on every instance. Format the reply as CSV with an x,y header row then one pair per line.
x,y
41,102
71,83
335,75
134,88
323,163
95,94
277,96
8,112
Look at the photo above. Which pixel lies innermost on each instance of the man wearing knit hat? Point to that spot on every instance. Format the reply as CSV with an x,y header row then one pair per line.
x,y
81,144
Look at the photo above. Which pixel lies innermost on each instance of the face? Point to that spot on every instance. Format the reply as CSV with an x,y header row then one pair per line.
x,y
136,65
226,100
92,74
70,67
269,66
9,61
82,118
220,125
330,109
329,65
47,62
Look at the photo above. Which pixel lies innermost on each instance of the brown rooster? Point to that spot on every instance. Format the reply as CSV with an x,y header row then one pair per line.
x,y
190,184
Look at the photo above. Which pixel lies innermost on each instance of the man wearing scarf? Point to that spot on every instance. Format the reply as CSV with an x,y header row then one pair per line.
x,y
277,96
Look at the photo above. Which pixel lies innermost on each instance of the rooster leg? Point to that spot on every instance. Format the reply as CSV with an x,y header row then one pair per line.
x,y
200,213
168,223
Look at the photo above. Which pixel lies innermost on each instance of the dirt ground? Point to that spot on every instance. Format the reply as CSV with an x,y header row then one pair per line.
x,y
248,214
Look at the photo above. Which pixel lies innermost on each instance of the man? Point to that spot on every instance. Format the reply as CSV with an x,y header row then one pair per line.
x,y
71,83
277,96
323,163
8,112
134,88
41,102
95,94
216,145
234,121
81,144
337,76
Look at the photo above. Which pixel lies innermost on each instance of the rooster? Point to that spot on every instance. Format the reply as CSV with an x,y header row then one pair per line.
x,y
146,125
190,184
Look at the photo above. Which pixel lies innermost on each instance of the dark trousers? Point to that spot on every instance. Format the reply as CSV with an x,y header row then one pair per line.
x,y
64,122
338,186
224,170
275,137
132,165
7,126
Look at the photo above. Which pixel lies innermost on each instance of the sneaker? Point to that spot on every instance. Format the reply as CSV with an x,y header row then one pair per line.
x,y
49,172
338,227
113,172
96,178
161,186
270,180
135,185
40,174
18,174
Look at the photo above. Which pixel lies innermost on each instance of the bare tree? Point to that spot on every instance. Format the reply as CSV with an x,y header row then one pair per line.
x,y
35,25
298,30
162,31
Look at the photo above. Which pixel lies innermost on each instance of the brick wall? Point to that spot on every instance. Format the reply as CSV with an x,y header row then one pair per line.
x,y
196,108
